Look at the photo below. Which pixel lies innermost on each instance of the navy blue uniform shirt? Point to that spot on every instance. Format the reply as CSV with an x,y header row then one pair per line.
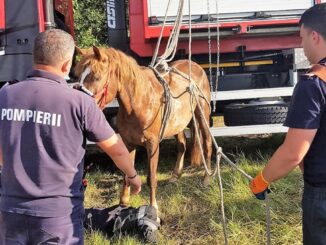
x,y
43,126
307,111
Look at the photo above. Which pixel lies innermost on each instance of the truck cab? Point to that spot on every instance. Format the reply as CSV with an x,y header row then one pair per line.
x,y
20,22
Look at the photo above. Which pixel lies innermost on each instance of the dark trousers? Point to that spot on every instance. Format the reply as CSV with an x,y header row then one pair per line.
x,y
314,215
20,229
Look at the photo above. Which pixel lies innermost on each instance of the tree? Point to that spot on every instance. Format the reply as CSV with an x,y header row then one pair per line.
x,y
90,22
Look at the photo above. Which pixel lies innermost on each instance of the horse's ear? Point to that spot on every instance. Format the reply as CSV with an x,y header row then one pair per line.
x,y
80,51
97,53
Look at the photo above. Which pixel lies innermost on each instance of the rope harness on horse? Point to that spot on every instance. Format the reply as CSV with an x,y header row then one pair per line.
x,y
195,91
167,101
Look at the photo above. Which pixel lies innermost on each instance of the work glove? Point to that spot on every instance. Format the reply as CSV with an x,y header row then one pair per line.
x,y
259,186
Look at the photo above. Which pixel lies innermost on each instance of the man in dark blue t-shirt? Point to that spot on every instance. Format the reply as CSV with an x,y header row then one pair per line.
x,y
44,125
305,141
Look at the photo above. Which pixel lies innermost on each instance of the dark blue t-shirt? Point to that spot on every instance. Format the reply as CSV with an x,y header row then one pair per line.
x,y
43,127
307,111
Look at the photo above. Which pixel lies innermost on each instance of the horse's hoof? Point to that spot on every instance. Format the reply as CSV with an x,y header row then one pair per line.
x,y
207,181
174,179
124,202
195,164
156,207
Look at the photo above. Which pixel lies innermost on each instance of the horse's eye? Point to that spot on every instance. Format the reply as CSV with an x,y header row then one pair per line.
x,y
97,77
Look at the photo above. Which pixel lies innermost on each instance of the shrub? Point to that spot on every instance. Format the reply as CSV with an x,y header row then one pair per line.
x,y
90,22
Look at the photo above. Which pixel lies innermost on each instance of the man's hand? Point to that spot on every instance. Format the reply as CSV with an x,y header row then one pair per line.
x,y
259,186
135,183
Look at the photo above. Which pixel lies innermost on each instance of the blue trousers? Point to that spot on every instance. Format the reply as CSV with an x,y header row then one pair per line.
x,y
20,229
314,215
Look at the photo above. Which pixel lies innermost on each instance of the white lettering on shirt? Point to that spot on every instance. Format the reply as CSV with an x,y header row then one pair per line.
x,y
19,115
29,115
38,117
47,118
9,114
3,114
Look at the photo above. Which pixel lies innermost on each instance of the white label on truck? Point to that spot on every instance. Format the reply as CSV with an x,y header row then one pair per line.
x,y
229,7
111,14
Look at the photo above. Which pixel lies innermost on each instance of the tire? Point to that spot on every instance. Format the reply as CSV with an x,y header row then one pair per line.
x,y
246,114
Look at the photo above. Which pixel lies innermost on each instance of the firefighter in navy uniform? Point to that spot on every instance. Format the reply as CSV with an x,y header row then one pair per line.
x,y
44,125
305,141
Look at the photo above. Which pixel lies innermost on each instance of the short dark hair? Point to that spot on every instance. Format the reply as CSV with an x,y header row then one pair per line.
x,y
53,46
314,18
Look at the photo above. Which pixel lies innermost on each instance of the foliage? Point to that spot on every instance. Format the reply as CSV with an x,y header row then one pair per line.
x,y
191,213
90,22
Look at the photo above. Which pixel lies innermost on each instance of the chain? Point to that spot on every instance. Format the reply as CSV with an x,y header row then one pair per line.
x,y
217,49
209,47
190,40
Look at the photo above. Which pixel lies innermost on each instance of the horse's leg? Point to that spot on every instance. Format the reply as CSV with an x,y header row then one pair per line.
x,y
181,145
195,158
125,193
152,148
207,140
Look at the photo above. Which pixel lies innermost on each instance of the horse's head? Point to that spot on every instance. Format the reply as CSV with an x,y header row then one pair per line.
x,y
96,73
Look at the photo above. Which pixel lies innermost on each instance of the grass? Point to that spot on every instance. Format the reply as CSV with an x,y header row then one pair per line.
x,y
191,213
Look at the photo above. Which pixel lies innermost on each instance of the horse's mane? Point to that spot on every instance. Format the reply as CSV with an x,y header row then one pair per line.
x,y
124,65
119,64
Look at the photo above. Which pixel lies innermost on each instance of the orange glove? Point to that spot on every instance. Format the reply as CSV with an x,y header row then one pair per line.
x,y
259,186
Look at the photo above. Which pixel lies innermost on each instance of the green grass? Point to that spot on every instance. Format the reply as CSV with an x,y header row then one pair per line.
x,y
191,213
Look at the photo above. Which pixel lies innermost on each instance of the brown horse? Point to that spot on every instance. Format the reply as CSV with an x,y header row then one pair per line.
x,y
109,74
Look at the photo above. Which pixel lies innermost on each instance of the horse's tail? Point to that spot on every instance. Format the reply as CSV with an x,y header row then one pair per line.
x,y
195,158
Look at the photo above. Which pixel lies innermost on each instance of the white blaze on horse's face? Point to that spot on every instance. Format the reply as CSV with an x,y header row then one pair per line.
x,y
84,75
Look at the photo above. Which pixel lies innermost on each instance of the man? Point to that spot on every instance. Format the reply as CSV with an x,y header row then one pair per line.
x,y
43,128
305,141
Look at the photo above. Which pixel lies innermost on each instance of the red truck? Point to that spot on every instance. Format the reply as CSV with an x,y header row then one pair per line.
x,y
258,45
252,47
20,21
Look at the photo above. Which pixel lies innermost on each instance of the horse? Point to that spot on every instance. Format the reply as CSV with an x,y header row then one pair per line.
x,y
109,73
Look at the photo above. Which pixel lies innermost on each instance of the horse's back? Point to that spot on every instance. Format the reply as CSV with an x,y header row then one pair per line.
x,y
198,74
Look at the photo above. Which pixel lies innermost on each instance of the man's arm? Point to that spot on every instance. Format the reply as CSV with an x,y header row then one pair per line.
x,y
118,152
290,154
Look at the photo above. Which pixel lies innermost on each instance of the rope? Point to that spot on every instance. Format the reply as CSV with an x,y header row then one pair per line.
x,y
173,69
171,46
160,37
161,62
167,98
192,87
220,184
210,173
268,218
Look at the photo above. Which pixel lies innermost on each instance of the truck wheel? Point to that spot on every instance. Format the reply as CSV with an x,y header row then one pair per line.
x,y
254,114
